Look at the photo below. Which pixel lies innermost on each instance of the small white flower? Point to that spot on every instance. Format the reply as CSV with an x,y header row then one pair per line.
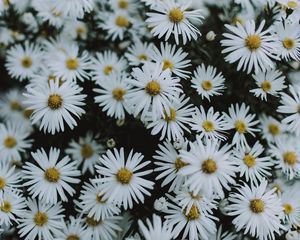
x,y
160,204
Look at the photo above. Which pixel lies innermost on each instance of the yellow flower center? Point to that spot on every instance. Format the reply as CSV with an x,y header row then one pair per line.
x,y
253,42
26,62
2,183
167,64
124,175
290,158
288,208
257,206
179,163
240,127
208,126
123,4
27,113
118,94
15,106
176,15
170,117
278,188
274,129
195,196
292,4
55,101
122,21
99,199
52,175
72,63
266,86
40,219
142,57
73,237
86,151
6,2
92,222
10,142
6,207
108,69
239,20
249,160
207,85
80,30
153,88
193,214
209,166
288,43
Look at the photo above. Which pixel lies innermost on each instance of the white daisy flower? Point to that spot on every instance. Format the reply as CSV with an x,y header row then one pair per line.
x,y
74,8
9,178
172,59
172,17
41,221
257,210
268,82
76,29
86,151
271,128
54,104
155,230
112,96
209,168
11,104
251,165
242,122
173,125
123,183
72,230
220,235
290,106
13,141
105,65
93,203
207,82
129,6
153,90
252,48
23,61
169,163
50,177
209,125
139,52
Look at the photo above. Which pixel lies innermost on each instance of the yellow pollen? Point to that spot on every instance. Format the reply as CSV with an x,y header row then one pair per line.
x,y
257,206
170,117
27,113
208,126
6,207
118,94
209,166
153,88
236,20
86,151
2,183
288,43
73,237
40,219
167,64
207,85
10,142
99,199
278,188
193,214
176,15
240,127
15,106
6,2
123,4
92,222
72,63
266,86
292,4
80,30
142,57
55,101
288,208
253,42
26,62
290,158
249,160
52,175
274,129
122,21
179,163
55,13
108,69
124,175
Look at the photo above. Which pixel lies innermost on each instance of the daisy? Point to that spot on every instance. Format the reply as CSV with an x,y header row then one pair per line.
x,y
174,124
50,177
171,17
129,6
9,178
157,230
105,65
69,64
112,96
23,61
13,141
168,164
209,125
53,105
257,210
86,151
41,221
153,90
268,82
74,8
11,104
251,165
290,105
252,48
172,59
271,128
207,82
76,29
93,203
209,167
72,230
139,52
123,182
242,122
